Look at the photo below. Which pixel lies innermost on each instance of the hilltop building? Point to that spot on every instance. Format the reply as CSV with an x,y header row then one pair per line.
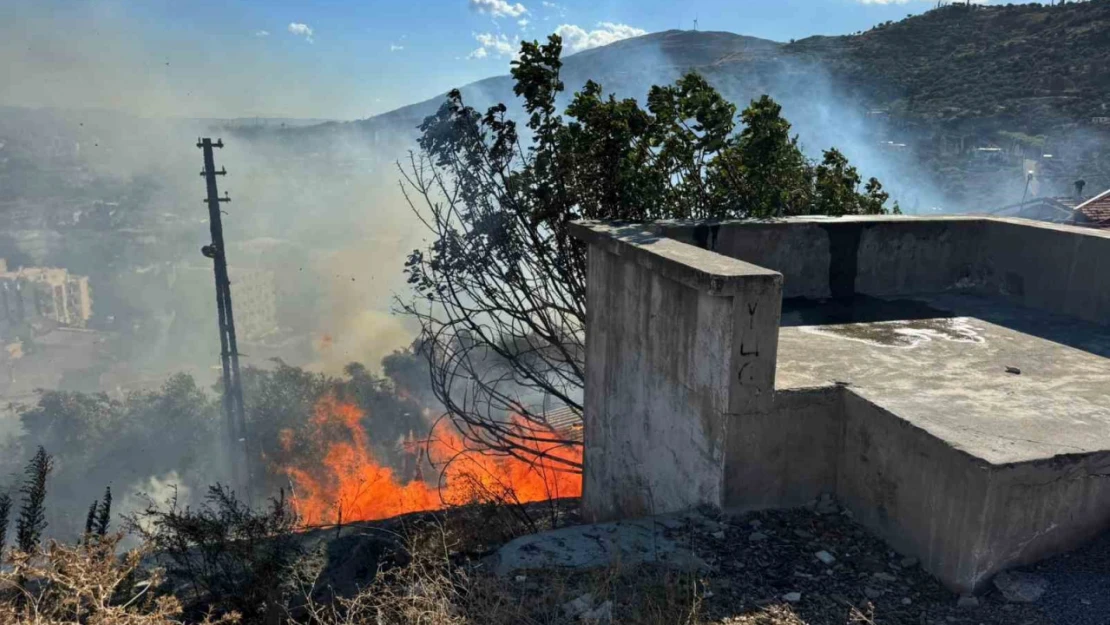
x,y
947,385
31,294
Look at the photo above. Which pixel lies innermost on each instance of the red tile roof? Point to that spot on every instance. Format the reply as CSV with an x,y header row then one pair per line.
x,y
1095,211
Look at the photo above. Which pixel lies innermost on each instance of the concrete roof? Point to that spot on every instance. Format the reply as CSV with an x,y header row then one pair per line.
x,y
940,363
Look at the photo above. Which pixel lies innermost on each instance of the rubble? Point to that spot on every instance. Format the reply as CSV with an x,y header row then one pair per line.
x,y
1020,587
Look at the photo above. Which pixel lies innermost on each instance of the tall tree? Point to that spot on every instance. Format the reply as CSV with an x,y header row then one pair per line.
x,y
500,291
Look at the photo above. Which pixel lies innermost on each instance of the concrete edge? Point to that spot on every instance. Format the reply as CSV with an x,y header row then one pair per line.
x,y
663,226
649,247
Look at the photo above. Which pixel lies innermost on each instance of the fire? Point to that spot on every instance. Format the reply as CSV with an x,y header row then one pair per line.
x,y
349,484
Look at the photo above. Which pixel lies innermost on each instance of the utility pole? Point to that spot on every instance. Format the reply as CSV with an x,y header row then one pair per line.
x,y
234,412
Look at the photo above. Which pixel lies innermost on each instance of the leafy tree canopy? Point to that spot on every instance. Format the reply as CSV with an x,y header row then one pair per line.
x,y
501,288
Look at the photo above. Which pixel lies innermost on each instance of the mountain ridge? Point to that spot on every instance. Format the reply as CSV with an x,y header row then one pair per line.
x,y
1045,65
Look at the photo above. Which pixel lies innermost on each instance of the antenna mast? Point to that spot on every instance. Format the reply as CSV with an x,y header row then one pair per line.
x,y
229,352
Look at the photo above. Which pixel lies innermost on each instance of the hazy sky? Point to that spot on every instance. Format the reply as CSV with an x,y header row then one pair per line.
x,y
338,59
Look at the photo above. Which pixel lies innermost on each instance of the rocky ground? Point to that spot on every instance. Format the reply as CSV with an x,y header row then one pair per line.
x,y
811,566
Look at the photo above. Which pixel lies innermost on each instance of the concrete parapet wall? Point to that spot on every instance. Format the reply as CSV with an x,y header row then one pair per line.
x,y
1060,269
678,338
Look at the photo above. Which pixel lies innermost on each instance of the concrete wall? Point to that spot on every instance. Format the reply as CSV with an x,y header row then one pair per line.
x,y
964,518
787,456
1060,269
822,258
678,338
921,495
680,408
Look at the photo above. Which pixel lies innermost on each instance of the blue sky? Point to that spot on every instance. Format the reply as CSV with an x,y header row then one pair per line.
x,y
341,59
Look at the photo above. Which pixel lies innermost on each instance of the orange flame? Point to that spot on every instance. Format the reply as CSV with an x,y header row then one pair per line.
x,y
350,485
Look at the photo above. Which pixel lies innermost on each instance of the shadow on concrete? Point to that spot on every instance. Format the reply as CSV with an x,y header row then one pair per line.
x,y
799,311
1074,333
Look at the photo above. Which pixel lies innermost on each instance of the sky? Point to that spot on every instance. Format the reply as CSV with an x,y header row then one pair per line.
x,y
339,59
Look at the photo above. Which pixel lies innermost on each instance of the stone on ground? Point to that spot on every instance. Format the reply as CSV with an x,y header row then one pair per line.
x,y
1020,587
623,543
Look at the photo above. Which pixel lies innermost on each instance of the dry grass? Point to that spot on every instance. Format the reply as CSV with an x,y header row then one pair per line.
x,y
436,576
86,584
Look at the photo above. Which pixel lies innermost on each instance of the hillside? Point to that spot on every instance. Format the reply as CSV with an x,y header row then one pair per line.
x,y
628,67
1030,66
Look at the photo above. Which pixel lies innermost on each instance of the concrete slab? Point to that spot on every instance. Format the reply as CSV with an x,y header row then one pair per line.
x,y
971,433
944,369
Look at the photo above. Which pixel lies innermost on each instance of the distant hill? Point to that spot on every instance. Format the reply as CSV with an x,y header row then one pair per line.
x,y
627,67
1028,68
1029,79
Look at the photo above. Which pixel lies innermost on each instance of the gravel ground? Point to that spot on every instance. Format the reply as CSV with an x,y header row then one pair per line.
x,y
1079,585
798,567
804,567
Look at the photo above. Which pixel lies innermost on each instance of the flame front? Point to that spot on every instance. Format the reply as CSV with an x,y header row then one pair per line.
x,y
349,484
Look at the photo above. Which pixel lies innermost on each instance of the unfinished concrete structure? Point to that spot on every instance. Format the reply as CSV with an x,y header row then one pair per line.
x,y
947,378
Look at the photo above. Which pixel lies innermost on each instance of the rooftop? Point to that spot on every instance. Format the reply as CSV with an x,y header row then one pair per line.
x,y
948,378
1003,383
1095,211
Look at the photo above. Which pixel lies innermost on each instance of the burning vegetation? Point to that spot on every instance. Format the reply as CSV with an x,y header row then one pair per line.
x,y
346,482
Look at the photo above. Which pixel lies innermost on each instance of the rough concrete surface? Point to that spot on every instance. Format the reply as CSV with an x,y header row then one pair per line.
x,y
947,374
948,384
669,358
652,540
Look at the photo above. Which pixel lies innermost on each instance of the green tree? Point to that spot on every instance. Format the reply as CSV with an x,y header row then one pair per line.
x,y
837,189
500,291
763,173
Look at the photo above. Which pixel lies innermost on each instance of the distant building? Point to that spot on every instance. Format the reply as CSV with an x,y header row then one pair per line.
x,y
253,298
1052,209
989,153
892,146
1100,121
35,293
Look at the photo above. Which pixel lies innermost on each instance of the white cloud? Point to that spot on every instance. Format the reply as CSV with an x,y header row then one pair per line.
x,y
908,1
301,30
576,39
262,33
498,45
523,23
498,8
553,7
395,48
